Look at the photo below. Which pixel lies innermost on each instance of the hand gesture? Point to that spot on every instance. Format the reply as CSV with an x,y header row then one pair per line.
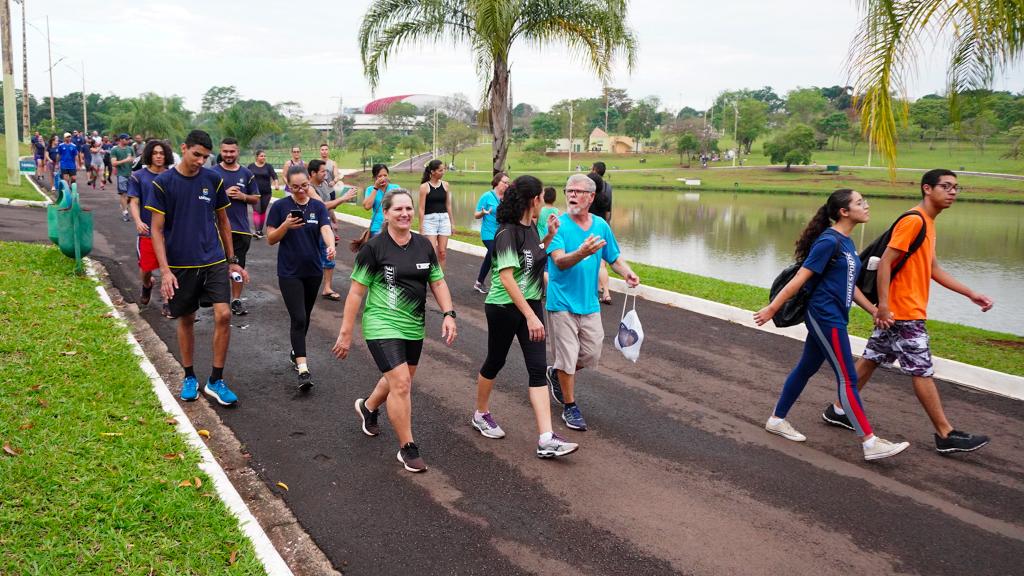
x,y
592,245
448,330
553,222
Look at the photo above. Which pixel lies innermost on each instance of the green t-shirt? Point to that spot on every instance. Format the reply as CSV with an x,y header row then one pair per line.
x,y
118,153
396,278
542,219
517,247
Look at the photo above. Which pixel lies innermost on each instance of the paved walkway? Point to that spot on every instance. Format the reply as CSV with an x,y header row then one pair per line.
x,y
675,476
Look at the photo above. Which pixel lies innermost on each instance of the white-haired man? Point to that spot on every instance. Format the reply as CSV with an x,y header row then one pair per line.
x,y
574,312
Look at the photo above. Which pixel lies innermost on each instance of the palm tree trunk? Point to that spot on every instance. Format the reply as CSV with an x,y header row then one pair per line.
x,y
499,114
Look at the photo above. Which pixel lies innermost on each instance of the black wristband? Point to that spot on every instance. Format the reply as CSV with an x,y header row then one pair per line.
x,y
448,313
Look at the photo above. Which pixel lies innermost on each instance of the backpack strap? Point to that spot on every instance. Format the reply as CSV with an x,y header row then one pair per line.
x,y
918,241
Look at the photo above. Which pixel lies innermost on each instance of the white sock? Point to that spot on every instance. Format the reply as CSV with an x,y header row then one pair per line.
x,y
546,437
303,368
478,414
775,420
870,442
839,410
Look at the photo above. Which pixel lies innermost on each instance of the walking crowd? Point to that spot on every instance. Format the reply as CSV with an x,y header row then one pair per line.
x,y
546,270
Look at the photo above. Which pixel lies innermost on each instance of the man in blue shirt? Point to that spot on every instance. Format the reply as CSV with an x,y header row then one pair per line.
x,y
242,191
583,240
70,159
192,240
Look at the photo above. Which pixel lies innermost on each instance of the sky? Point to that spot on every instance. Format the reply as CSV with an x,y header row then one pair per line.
x,y
689,51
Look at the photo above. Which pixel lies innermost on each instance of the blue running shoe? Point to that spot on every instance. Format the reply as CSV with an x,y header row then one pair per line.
x,y
573,419
554,385
189,389
220,392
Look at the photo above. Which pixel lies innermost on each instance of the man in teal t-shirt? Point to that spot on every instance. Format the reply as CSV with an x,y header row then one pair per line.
x,y
121,158
575,253
487,213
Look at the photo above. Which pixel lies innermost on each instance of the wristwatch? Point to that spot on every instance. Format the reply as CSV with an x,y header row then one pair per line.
x,y
233,260
448,313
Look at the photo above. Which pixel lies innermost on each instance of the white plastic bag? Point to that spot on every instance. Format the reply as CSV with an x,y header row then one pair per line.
x,y
631,334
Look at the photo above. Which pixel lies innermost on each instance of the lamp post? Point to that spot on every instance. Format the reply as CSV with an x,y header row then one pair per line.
x,y
736,132
10,107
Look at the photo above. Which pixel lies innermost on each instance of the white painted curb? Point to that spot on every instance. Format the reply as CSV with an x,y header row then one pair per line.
x,y
945,369
272,561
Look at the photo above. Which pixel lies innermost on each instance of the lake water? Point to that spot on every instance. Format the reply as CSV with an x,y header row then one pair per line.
x,y
749,238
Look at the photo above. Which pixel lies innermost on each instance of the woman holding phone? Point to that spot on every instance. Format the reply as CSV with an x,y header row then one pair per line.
x,y
374,196
299,223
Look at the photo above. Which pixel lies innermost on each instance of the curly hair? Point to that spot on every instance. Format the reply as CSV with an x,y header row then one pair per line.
x,y
821,220
147,153
517,199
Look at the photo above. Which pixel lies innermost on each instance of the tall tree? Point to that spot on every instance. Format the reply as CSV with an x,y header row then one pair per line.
x,y
246,120
794,146
594,29
640,122
753,122
151,115
987,37
805,105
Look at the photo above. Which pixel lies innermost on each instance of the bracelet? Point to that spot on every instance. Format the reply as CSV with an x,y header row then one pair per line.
x,y
448,313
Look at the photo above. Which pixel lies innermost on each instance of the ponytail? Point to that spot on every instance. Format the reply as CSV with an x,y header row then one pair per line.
x,y
821,221
430,167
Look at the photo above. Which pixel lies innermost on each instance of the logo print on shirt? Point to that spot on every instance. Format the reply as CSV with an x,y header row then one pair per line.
x,y
205,195
527,268
851,277
390,286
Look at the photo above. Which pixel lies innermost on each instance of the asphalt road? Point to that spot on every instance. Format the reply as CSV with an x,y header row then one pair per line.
x,y
676,474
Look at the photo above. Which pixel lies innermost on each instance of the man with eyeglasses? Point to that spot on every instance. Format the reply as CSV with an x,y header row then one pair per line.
x,y
575,253
900,332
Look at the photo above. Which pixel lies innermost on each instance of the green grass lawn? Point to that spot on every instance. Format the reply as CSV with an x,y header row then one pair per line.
x,y
23,192
92,486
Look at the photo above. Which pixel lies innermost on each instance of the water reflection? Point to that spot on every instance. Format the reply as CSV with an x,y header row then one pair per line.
x,y
749,237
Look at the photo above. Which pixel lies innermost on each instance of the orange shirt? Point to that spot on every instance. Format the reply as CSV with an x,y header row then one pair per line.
x,y
908,291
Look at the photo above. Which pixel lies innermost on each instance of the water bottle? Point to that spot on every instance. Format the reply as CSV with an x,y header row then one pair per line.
x,y
873,263
236,277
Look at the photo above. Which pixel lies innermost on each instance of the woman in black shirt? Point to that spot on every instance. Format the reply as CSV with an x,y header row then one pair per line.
x,y
264,174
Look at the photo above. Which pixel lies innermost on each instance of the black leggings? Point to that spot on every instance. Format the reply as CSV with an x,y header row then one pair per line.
x,y
504,322
485,266
299,297
264,202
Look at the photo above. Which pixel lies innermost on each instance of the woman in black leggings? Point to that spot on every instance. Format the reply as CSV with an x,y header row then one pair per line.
x,y
513,309
298,223
266,181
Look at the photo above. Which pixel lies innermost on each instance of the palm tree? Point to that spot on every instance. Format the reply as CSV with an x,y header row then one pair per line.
x,y
987,36
594,30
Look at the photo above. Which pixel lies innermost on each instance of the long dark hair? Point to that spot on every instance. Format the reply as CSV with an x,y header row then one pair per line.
x,y
822,219
385,205
430,167
147,153
517,199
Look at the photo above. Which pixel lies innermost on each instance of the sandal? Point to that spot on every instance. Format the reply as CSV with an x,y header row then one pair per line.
x,y
334,296
607,298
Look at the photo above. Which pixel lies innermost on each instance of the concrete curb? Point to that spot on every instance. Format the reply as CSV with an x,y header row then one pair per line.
x,y
967,375
31,203
271,559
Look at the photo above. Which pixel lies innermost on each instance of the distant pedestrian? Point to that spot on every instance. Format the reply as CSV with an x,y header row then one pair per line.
x,y
192,240
266,181
435,209
108,167
373,197
240,186
602,206
70,160
901,333
487,212
295,160
138,144
121,158
39,152
330,179
550,196
575,253
301,226
514,310
830,263
318,189
392,270
157,157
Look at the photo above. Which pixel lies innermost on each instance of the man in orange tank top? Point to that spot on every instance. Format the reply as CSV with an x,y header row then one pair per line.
x,y
900,332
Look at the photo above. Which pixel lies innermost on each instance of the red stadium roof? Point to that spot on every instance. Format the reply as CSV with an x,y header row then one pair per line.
x,y
381,104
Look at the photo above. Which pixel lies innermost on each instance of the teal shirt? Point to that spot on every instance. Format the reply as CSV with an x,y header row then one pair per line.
x,y
489,222
575,288
542,219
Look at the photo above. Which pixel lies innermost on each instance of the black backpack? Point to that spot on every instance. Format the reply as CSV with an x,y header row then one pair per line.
x,y
866,281
794,310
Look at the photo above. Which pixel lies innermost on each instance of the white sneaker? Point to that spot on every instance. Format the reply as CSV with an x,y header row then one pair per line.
x,y
479,287
487,426
883,449
784,429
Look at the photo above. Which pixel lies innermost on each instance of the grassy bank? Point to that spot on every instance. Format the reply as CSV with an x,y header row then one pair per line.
x,y
23,192
91,469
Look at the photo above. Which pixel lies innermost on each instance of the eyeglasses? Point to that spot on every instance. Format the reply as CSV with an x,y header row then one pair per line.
x,y
947,186
302,186
575,192
296,151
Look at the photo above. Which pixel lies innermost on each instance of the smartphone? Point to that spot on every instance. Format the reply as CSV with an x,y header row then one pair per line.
x,y
295,214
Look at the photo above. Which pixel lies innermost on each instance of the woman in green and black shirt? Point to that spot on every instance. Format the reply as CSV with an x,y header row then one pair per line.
x,y
392,270
513,308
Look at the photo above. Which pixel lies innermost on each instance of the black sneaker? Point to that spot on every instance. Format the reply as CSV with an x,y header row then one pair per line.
x,y
554,386
305,381
409,456
840,420
368,419
237,309
291,356
957,441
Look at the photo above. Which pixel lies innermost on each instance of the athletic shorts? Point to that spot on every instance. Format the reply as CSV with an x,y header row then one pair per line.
x,y
68,171
390,353
122,184
906,341
197,287
147,256
437,224
241,242
327,264
97,163
576,339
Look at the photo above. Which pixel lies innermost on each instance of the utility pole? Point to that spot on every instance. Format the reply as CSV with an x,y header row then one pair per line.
x,y
49,59
736,132
606,110
570,136
85,106
10,106
433,144
25,118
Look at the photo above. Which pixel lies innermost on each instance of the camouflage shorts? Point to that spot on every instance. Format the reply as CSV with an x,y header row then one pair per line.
x,y
906,341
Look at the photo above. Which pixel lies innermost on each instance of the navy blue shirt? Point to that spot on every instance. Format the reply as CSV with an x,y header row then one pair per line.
x,y
836,278
238,212
298,255
140,185
190,205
